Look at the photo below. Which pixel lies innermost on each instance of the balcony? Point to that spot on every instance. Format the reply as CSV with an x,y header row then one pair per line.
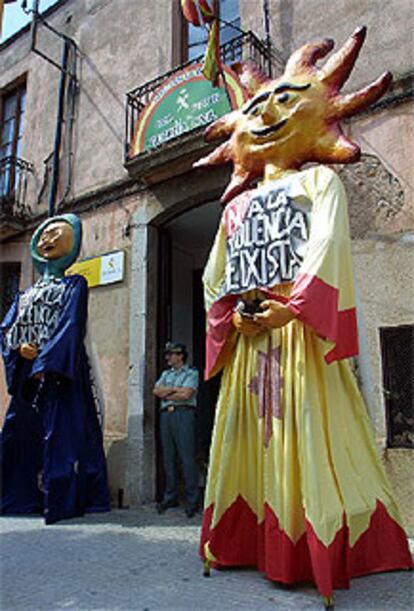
x,y
14,209
185,146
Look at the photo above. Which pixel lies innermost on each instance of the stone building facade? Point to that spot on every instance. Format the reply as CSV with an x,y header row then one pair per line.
x,y
163,213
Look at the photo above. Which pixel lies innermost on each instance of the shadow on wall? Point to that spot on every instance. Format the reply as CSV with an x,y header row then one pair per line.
x,y
286,27
116,460
376,197
105,114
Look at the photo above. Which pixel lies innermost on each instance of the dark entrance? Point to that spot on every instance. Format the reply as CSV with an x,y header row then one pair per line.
x,y
9,281
397,350
184,246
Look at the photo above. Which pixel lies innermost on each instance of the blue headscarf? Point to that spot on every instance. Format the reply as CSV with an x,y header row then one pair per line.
x,y
56,267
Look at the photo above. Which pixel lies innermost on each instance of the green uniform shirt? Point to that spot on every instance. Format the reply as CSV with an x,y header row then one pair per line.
x,y
185,377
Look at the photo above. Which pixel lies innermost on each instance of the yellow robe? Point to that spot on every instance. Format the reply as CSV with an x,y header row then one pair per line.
x,y
295,486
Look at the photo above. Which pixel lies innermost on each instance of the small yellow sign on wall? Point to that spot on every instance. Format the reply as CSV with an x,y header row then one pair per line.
x,y
98,271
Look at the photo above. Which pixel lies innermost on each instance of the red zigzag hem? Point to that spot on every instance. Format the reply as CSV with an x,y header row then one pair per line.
x,y
238,540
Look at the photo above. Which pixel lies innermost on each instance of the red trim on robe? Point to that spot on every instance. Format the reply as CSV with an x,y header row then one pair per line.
x,y
312,301
235,211
234,540
219,325
315,303
237,540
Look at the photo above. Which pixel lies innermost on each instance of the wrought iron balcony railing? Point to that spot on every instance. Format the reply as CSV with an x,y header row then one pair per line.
x,y
245,47
14,175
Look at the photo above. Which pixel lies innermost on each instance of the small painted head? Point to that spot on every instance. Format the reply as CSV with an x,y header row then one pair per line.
x,y
56,240
295,118
55,245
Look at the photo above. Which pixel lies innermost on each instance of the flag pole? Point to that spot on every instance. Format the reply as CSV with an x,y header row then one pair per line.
x,y
221,72
198,12
226,87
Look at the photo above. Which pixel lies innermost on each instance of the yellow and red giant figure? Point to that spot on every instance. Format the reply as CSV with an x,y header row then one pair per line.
x,y
295,486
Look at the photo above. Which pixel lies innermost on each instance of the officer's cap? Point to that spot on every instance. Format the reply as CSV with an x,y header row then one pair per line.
x,y
176,347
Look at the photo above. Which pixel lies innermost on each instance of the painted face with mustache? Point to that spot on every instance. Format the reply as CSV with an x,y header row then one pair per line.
x,y
294,119
276,125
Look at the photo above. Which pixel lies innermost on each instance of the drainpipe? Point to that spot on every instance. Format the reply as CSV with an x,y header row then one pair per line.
x,y
58,129
268,41
33,29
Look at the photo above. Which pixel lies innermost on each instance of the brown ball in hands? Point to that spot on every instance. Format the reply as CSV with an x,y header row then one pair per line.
x,y
274,316
247,325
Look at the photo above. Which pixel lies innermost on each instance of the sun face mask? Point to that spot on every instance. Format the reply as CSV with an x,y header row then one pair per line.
x,y
295,118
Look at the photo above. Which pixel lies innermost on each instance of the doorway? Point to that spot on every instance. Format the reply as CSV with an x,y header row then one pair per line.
x,y
184,246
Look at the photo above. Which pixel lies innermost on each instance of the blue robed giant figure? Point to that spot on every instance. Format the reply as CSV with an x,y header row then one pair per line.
x,y
52,458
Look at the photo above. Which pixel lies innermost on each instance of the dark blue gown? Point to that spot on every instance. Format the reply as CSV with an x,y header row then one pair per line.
x,y
52,458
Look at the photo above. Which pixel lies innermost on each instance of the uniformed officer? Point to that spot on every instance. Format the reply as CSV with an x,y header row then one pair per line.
x,y
177,388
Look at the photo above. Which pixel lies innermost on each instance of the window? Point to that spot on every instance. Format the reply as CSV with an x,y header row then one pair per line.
x,y
11,130
15,18
195,38
397,349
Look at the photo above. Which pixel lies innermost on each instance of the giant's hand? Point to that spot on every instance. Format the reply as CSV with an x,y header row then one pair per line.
x,y
28,351
275,315
247,326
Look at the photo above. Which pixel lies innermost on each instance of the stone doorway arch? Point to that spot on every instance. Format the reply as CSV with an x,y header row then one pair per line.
x,y
159,205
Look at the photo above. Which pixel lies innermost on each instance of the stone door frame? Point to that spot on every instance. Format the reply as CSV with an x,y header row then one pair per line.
x,y
159,205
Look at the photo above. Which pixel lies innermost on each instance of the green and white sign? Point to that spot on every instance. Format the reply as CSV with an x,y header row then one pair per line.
x,y
182,103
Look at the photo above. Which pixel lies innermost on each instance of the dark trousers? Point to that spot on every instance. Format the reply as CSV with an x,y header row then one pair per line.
x,y
178,438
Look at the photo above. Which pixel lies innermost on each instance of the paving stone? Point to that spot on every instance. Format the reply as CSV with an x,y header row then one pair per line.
x,y
139,561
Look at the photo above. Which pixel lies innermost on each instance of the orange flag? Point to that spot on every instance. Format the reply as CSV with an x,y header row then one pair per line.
x,y
197,12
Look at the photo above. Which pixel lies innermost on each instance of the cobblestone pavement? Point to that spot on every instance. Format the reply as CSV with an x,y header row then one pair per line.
x,y
137,560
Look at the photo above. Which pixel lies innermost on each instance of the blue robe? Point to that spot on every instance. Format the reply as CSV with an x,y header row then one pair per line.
x,y
52,458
